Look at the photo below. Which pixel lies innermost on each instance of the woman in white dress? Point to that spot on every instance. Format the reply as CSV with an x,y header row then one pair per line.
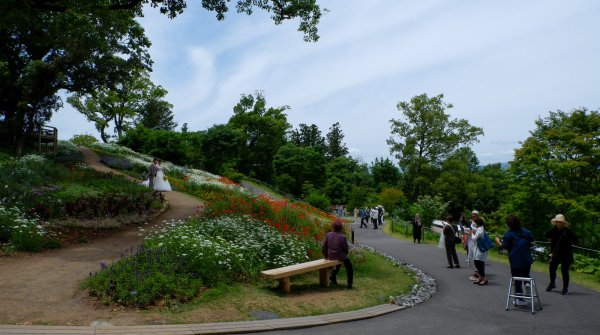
x,y
161,183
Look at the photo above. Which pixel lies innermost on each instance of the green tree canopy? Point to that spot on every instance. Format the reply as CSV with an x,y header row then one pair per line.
x,y
385,174
557,170
264,132
426,136
79,48
334,143
308,136
302,165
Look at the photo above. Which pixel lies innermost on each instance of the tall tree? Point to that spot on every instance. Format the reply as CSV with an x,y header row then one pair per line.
x,y
335,146
131,97
385,174
296,166
78,48
83,45
426,137
557,170
264,132
308,136
155,112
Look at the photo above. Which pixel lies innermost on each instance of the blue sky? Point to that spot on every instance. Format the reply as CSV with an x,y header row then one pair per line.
x,y
502,64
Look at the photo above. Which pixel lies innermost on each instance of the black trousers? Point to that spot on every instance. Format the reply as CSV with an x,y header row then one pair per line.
x,y
451,254
520,272
565,265
349,272
362,222
480,266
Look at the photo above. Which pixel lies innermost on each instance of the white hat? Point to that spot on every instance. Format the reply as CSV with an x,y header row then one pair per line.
x,y
559,218
475,212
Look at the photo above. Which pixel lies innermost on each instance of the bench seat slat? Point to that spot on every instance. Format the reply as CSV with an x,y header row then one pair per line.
x,y
288,271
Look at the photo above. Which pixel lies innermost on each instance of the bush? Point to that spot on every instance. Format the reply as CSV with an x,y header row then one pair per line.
x,y
117,163
22,233
143,279
319,201
83,140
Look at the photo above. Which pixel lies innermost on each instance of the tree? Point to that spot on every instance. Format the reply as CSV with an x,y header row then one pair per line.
x,y
264,132
154,112
557,170
335,147
427,137
131,97
83,45
391,198
221,147
429,208
79,49
308,136
301,164
385,174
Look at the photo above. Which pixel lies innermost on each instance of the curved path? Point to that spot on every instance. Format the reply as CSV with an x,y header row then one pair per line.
x,y
32,282
458,306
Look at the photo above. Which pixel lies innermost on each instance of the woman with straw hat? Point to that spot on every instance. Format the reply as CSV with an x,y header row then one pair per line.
x,y
561,246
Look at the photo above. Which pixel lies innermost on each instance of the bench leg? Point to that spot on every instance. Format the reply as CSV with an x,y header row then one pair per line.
x,y
323,277
284,284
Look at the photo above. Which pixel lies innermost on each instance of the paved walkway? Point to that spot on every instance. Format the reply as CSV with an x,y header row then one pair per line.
x,y
458,307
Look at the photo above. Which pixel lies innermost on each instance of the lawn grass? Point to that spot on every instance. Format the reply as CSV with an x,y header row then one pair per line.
x,y
582,279
375,281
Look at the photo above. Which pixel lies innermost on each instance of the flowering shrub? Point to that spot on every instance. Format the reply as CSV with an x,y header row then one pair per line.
x,y
145,278
22,233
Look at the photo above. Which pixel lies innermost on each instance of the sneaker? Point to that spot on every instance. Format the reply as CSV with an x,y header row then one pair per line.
x,y
457,266
527,289
520,302
565,291
550,287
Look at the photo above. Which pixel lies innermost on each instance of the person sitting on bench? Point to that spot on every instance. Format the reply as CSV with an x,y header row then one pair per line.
x,y
336,247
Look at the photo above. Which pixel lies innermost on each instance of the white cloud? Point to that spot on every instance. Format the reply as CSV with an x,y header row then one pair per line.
x,y
502,65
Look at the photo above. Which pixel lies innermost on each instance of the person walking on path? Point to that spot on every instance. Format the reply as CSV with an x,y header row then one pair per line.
x,y
336,247
449,232
518,241
417,228
374,217
561,245
363,217
480,255
152,171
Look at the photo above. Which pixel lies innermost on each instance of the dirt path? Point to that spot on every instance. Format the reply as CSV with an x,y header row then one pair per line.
x,y
43,288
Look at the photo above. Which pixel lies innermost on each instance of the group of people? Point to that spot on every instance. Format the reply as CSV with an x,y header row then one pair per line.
x,y
518,242
375,215
157,180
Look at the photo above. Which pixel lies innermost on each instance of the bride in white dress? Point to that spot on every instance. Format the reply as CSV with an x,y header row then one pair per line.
x,y
161,183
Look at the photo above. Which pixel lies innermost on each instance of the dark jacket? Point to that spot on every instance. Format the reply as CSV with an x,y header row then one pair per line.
x,y
335,246
518,243
561,244
449,232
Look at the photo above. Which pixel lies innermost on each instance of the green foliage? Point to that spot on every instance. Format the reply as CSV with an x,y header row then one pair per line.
x,y
427,137
83,140
556,171
430,208
318,200
143,279
587,265
391,198
23,233
264,131
294,166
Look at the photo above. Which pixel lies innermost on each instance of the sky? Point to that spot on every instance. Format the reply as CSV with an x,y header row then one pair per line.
x,y
501,64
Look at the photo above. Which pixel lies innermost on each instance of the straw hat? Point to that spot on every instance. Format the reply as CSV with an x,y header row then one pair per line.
x,y
559,218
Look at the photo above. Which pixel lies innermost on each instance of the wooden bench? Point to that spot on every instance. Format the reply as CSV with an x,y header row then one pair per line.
x,y
283,274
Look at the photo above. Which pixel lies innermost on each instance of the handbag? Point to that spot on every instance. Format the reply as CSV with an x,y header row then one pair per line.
x,y
457,240
485,243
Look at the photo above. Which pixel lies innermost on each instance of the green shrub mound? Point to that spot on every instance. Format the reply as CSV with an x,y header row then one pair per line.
x,y
202,252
